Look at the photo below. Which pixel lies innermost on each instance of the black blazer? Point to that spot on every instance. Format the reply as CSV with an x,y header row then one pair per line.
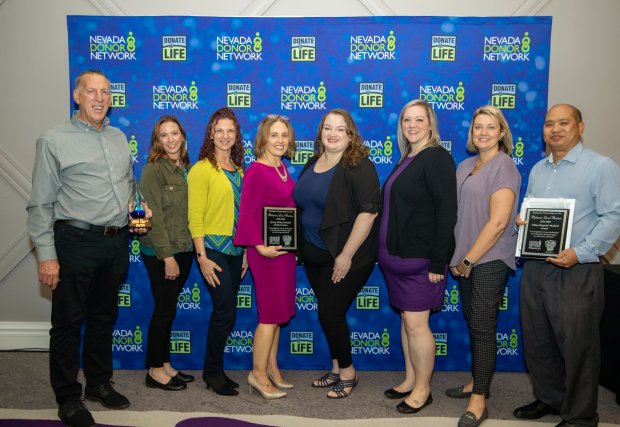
x,y
352,190
423,209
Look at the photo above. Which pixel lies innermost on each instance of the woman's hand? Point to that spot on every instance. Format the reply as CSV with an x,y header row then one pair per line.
x,y
434,277
208,269
461,270
270,251
171,268
244,263
342,264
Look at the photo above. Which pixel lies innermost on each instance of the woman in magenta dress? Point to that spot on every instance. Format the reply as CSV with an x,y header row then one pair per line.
x,y
268,183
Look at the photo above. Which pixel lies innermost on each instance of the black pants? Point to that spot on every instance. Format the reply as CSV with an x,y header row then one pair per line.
x,y
92,267
561,310
224,314
165,296
482,293
334,299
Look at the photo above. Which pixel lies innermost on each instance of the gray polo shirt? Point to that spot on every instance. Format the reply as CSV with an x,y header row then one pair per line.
x,y
79,173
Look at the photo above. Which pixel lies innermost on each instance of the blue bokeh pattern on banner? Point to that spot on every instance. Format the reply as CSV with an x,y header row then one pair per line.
x,y
302,68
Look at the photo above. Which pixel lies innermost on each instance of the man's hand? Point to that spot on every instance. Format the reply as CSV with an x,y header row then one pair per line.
x,y
565,259
49,273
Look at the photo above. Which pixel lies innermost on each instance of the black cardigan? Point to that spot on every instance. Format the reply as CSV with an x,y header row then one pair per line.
x,y
352,190
423,209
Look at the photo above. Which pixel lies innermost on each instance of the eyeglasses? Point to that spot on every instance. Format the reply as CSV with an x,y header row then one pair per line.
x,y
278,116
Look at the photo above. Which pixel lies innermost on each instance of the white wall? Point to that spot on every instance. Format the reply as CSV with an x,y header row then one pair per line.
x,y
35,95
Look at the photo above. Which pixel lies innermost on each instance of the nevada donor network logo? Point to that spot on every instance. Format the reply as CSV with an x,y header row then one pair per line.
x,y
238,95
127,340
303,97
443,48
174,48
505,49
504,95
175,97
371,95
303,49
112,47
444,97
301,342
376,46
239,48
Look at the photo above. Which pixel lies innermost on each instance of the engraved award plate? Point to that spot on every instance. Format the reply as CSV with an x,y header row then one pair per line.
x,y
138,214
280,227
548,228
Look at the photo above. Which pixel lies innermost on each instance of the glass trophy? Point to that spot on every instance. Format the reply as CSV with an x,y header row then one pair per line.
x,y
138,213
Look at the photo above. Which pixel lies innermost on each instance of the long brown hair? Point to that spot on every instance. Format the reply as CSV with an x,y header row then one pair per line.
x,y
207,151
157,150
356,151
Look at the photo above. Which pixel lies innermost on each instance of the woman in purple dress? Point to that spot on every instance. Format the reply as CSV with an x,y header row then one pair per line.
x,y
268,183
416,242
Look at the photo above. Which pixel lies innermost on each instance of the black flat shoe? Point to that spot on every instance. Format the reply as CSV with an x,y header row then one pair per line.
x,y
457,392
534,410
468,419
172,385
404,408
186,378
393,394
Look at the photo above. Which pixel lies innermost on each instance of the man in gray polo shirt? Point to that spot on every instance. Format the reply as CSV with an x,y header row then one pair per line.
x,y
77,219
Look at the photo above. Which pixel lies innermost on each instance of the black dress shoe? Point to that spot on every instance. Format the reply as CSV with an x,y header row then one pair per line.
x,y
404,408
106,395
390,393
74,414
172,385
219,385
565,423
186,378
534,410
231,383
457,392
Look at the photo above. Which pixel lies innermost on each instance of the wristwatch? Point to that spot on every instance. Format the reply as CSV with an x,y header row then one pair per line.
x,y
467,263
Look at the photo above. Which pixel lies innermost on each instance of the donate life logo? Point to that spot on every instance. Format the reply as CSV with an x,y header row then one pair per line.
x,y
507,49
112,47
238,95
368,298
508,345
297,97
504,95
244,296
371,95
124,295
177,97
441,343
503,305
127,341
370,342
372,47
443,48
303,49
447,145
239,48
117,92
305,150
444,97
174,48
301,342
180,342
380,152
189,299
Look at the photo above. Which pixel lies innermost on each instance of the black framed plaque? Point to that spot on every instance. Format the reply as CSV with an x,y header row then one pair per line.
x,y
547,229
280,227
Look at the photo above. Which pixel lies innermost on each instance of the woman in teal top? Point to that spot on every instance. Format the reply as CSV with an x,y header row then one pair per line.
x,y
214,194
167,248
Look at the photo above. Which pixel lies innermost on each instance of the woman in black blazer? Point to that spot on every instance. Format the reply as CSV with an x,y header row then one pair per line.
x,y
338,196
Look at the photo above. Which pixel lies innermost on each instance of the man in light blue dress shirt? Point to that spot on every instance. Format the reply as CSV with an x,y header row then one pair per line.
x,y
562,298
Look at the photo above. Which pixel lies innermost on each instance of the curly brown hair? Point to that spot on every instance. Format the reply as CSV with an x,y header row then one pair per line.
x,y
157,150
356,151
207,150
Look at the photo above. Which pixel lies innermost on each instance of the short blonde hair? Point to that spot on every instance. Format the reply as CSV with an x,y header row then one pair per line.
x,y
505,142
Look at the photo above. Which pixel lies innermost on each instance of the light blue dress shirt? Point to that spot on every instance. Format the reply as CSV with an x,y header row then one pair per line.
x,y
593,180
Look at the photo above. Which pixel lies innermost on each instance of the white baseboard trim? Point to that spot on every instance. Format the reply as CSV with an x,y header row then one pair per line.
x,y
24,335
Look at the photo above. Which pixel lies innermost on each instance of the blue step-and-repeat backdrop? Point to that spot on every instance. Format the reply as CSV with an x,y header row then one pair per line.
x,y
302,67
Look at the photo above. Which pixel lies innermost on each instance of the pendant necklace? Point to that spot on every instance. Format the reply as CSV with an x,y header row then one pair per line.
x,y
283,176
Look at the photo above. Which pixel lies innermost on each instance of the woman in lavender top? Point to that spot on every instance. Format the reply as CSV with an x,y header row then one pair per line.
x,y
488,190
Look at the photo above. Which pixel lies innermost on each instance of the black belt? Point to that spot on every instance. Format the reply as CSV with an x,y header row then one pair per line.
x,y
106,230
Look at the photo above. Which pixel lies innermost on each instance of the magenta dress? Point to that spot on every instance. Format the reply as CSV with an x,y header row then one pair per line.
x,y
274,278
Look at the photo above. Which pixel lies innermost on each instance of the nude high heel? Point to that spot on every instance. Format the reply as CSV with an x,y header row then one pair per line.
x,y
284,384
253,384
